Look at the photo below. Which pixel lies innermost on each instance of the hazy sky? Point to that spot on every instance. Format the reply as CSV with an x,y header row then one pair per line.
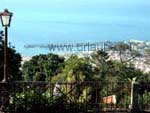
x,y
67,21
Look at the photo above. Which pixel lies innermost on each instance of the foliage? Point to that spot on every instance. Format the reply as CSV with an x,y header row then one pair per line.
x,y
75,69
144,78
113,71
42,67
109,76
29,99
13,61
125,72
39,76
143,100
102,65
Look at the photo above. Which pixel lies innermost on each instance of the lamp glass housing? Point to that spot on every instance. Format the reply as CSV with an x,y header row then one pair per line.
x,y
6,18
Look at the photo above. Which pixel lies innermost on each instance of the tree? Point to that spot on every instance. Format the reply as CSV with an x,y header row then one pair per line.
x,y
13,61
102,65
109,71
75,69
39,76
125,72
42,67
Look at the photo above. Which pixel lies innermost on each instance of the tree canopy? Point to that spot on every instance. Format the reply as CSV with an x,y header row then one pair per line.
x,y
42,67
75,69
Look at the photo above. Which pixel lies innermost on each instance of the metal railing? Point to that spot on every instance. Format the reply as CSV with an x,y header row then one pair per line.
x,y
77,97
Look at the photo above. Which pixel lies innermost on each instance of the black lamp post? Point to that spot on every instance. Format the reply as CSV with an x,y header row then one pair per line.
x,y
5,19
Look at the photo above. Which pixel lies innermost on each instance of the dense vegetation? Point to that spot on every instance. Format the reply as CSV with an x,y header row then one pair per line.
x,y
42,67
97,67
114,76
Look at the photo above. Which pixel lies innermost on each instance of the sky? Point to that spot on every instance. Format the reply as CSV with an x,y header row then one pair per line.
x,y
75,21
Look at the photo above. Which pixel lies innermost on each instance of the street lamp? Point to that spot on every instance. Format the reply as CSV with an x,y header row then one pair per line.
x,y
6,20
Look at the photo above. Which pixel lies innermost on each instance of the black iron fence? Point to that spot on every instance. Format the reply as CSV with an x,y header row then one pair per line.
x,y
77,97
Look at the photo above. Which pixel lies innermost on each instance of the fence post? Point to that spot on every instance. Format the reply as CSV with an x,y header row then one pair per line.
x,y
135,106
